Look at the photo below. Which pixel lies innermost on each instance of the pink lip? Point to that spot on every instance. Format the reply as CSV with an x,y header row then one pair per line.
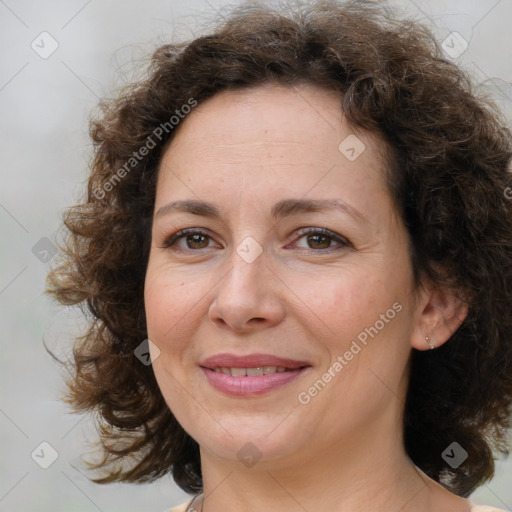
x,y
250,385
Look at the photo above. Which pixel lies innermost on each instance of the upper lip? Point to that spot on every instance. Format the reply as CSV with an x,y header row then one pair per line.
x,y
250,361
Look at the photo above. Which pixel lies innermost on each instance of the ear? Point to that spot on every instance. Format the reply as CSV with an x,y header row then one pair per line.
x,y
438,314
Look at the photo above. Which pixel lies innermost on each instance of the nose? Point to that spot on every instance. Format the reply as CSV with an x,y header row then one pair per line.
x,y
248,297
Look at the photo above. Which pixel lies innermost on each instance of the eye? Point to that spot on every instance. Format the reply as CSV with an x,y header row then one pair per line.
x,y
197,239
321,239
194,239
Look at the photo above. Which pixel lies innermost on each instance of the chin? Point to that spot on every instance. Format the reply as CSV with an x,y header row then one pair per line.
x,y
248,438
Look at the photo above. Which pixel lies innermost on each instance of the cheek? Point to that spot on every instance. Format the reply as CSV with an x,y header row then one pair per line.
x,y
343,302
365,321
171,304
360,314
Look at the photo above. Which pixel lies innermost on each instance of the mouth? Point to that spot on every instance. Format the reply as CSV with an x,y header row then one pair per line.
x,y
253,372
251,375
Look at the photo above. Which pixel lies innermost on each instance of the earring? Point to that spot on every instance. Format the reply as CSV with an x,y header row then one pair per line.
x,y
430,344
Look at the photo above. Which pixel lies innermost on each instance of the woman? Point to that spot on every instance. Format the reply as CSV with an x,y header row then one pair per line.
x,y
296,246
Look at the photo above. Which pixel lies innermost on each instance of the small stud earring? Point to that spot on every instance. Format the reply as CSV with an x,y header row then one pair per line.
x,y
430,344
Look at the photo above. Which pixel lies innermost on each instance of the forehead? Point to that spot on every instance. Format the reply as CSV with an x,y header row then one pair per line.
x,y
269,137
268,114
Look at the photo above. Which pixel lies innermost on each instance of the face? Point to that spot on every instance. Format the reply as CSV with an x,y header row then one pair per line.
x,y
327,289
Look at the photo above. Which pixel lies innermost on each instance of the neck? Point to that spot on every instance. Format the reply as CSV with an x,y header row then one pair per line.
x,y
368,471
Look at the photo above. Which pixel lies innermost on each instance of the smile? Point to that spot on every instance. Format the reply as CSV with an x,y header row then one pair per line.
x,y
240,382
252,372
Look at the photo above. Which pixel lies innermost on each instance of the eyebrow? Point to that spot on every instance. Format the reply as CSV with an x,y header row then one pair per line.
x,y
284,208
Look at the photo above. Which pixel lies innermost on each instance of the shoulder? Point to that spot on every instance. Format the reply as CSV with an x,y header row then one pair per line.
x,y
485,508
476,508
182,507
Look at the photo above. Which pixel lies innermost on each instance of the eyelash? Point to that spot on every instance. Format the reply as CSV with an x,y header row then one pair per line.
x,y
343,242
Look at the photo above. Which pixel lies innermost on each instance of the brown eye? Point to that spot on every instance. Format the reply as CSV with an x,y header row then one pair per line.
x,y
320,239
194,240
317,240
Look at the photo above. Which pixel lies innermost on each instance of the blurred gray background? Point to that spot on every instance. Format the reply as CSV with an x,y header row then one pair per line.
x,y
58,58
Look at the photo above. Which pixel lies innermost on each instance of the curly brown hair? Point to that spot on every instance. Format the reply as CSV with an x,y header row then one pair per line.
x,y
447,173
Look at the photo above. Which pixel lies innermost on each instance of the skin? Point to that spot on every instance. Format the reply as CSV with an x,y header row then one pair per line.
x,y
303,298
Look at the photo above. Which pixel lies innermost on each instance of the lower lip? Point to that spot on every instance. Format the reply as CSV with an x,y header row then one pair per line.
x,y
250,386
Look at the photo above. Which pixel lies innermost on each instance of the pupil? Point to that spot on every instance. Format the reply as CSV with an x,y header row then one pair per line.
x,y
320,236
196,238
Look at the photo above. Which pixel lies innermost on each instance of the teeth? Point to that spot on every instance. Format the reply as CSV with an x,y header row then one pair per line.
x,y
253,372
243,372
